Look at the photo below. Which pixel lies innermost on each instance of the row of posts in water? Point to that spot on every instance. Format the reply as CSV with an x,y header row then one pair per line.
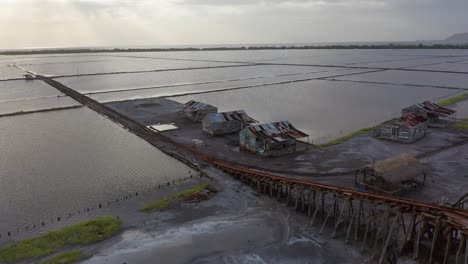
x,y
99,206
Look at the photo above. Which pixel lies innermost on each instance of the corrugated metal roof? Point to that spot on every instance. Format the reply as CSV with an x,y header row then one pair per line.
x,y
430,108
436,109
239,115
276,132
411,120
192,106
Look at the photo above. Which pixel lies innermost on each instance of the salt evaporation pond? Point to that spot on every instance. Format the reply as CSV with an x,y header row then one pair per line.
x,y
56,163
321,108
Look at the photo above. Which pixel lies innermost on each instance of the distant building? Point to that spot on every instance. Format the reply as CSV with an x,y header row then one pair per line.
x,y
393,176
226,122
197,110
271,139
29,76
438,116
405,129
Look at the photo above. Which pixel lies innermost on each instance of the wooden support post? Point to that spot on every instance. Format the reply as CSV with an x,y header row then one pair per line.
x,y
402,219
419,235
323,205
309,209
434,239
298,194
466,252
350,213
348,232
288,190
448,245
411,231
335,206
389,236
358,221
366,232
325,222
381,227
459,250
303,198
279,191
314,215
271,188
338,221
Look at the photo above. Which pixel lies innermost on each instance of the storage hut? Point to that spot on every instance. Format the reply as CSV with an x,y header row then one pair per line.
x,y
271,139
437,115
393,176
405,129
197,110
226,122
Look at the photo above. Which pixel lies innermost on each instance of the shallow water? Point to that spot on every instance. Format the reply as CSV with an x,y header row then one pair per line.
x,y
137,80
56,163
321,108
22,89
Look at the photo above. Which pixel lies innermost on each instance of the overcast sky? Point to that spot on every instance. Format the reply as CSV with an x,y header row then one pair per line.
x,y
72,23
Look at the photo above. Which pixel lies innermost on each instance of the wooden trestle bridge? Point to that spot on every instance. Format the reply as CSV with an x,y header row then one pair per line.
x,y
385,226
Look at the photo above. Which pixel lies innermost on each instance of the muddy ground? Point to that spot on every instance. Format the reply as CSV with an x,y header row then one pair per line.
x,y
235,226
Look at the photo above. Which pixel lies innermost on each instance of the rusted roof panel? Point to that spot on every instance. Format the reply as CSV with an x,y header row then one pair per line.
x,y
192,106
276,132
239,115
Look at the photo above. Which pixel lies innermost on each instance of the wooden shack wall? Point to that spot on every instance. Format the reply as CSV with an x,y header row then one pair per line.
x,y
221,128
406,134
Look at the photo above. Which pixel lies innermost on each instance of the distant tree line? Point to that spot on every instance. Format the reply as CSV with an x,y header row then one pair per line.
x,y
283,47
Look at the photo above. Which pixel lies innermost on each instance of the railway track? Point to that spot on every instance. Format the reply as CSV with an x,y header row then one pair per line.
x,y
386,226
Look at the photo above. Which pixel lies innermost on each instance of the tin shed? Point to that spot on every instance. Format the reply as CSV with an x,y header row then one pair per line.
x,y
197,110
405,129
226,122
271,139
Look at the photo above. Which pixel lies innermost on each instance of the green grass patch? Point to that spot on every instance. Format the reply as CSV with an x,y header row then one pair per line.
x,y
165,203
453,100
348,136
461,125
78,234
159,205
66,257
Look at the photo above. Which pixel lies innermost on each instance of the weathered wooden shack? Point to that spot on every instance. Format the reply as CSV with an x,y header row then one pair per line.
x,y
197,110
393,176
271,139
405,129
226,122
437,115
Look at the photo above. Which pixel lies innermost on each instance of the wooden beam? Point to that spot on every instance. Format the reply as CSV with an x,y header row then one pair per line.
x,y
338,222
325,222
389,236
381,227
348,232
460,249
448,245
434,239
419,235
411,228
366,232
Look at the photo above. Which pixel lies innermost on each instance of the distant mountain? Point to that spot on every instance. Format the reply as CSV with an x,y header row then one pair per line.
x,y
459,37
